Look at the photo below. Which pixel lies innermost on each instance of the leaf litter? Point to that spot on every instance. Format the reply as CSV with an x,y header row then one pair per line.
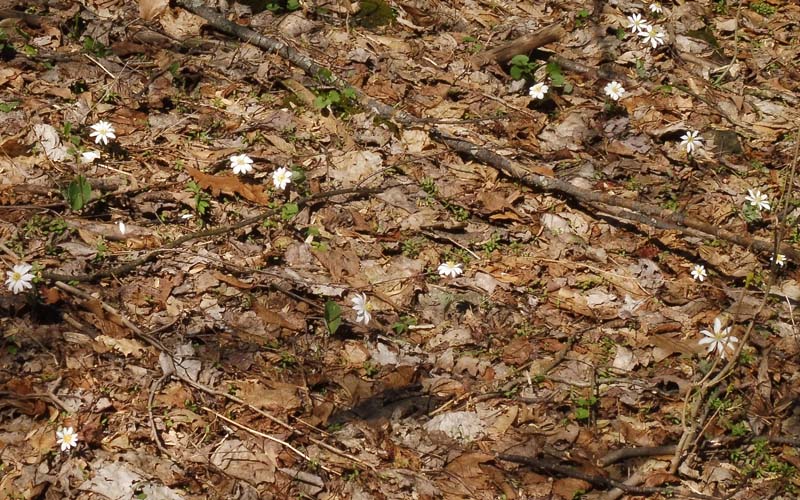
x,y
570,335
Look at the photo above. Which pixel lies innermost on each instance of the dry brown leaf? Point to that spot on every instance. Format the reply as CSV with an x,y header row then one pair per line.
x,y
268,316
339,262
230,185
125,346
569,487
270,395
232,281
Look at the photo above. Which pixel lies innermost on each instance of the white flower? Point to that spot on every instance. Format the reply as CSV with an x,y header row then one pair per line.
x,y
89,156
538,90
103,131
691,141
780,259
699,272
187,216
614,90
241,164
653,35
281,178
757,199
67,438
362,307
636,23
719,340
19,278
122,228
655,8
450,269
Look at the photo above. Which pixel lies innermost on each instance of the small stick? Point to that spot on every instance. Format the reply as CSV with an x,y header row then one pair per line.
x,y
267,436
153,430
521,45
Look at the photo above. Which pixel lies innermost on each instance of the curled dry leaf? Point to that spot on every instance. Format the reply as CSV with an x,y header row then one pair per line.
x,y
230,185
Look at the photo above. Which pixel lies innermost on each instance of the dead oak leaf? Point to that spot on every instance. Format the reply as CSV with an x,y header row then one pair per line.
x,y
279,318
230,185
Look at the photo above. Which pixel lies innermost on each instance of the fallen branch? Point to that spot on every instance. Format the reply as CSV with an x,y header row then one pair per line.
x,y
548,466
522,45
640,212
256,219
635,452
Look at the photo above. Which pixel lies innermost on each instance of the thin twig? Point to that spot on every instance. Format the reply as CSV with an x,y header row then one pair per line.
x,y
549,467
153,430
130,266
267,436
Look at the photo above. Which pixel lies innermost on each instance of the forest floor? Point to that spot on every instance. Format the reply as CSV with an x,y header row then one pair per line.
x,y
528,331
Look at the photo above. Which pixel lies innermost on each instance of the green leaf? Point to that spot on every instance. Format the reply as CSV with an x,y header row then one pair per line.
x,y
5,107
516,72
78,193
298,176
402,325
321,101
201,205
519,60
289,210
554,72
333,316
582,413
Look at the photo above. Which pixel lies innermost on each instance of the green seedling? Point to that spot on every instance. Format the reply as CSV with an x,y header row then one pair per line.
x,y
401,326
78,193
557,77
201,200
289,210
521,67
333,316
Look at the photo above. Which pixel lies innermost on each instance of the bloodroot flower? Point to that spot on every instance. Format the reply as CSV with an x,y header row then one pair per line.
x,y
19,278
362,307
691,141
103,131
281,177
614,90
241,164
538,91
637,24
757,199
67,438
699,272
654,36
720,339
450,269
